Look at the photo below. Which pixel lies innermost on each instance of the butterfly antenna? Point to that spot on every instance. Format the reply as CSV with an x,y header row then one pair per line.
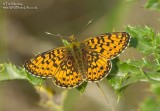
x,y
84,27
102,92
58,35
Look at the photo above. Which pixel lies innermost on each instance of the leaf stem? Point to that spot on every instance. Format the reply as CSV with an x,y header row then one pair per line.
x,y
102,92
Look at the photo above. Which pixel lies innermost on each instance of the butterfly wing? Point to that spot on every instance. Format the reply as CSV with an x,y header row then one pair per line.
x,y
57,64
99,50
109,45
98,67
68,75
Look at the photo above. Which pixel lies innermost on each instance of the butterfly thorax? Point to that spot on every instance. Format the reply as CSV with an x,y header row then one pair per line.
x,y
76,51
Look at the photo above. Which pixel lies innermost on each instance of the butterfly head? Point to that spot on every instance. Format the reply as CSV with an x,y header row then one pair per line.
x,y
67,41
72,38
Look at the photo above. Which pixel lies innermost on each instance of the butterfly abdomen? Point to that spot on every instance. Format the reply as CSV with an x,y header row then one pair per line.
x,y
76,52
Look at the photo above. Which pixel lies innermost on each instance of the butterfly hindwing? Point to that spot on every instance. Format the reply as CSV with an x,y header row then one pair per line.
x,y
109,45
98,67
68,74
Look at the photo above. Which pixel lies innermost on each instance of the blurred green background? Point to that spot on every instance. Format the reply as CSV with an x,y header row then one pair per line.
x,y
22,34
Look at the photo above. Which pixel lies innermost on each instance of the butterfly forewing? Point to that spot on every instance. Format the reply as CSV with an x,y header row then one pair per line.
x,y
46,64
109,45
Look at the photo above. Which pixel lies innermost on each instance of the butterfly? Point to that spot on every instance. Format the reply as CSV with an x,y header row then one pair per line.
x,y
90,60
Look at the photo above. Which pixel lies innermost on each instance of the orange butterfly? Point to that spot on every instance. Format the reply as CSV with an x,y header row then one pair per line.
x,y
76,62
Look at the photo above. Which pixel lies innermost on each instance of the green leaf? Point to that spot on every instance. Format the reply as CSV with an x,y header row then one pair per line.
x,y
82,87
131,72
34,80
143,38
11,72
152,102
153,5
